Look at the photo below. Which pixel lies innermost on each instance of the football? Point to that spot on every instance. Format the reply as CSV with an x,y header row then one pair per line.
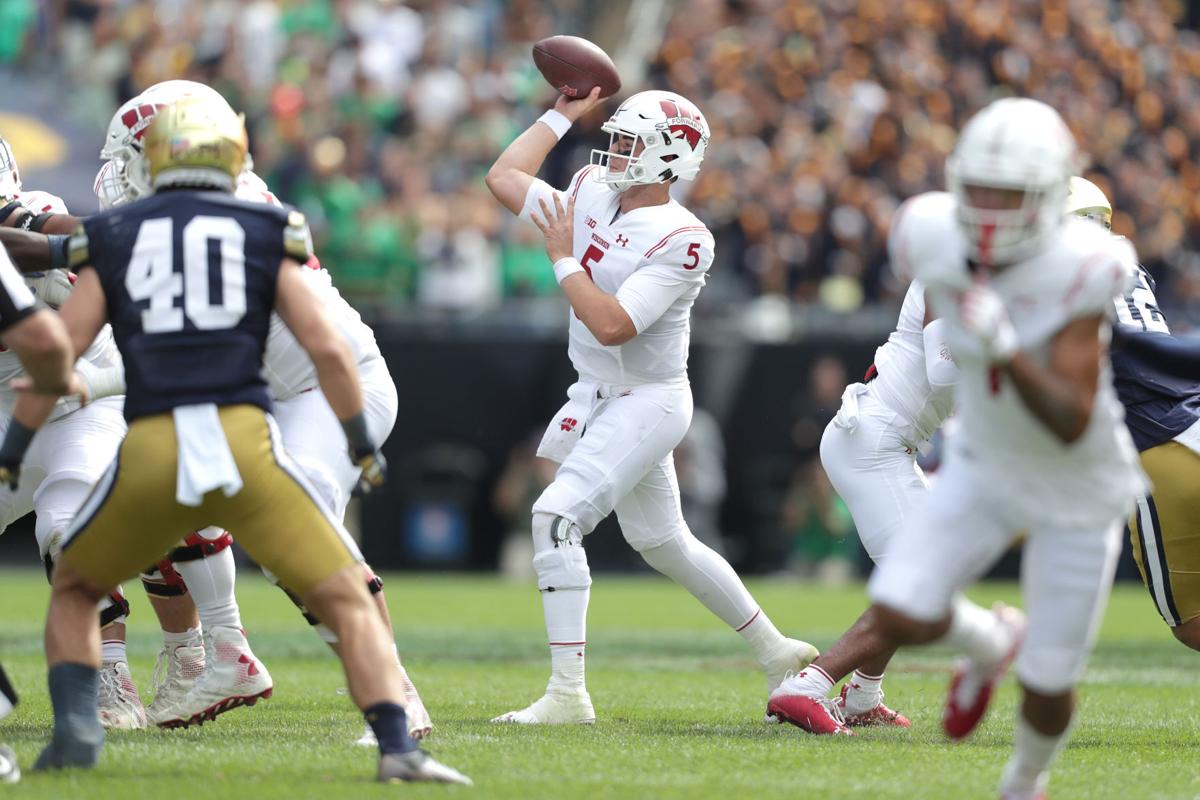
x,y
575,66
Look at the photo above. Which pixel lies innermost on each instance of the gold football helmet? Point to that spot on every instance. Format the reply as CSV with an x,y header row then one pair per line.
x,y
196,142
1085,199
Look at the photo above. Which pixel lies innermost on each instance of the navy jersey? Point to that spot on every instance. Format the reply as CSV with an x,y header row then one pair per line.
x,y
1158,404
189,278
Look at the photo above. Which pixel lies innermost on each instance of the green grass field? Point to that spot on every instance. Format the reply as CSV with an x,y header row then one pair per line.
x,y
677,697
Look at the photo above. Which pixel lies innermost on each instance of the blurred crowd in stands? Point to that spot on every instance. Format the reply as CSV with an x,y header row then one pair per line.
x,y
379,117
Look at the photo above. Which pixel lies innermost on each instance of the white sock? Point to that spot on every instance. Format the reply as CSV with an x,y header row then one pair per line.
x,y
812,681
210,581
696,567
566,628
977,632
112,650
190,637
762,636
863,692
1027,772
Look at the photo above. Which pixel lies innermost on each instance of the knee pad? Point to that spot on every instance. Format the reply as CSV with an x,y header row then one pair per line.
x,y
114,608
197,546
559,558
163,580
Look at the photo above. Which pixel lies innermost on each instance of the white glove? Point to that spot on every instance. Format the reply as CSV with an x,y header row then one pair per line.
x,y
53,286
981,313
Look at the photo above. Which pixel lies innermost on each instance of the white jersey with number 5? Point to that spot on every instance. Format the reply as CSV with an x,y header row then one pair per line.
x,y
653,259
1078,274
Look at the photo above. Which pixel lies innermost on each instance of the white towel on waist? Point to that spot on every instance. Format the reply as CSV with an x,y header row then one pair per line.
x,y
205,460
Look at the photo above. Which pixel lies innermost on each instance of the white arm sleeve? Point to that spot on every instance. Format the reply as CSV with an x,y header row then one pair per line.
x,y
648,293
538,190
678,268
940,368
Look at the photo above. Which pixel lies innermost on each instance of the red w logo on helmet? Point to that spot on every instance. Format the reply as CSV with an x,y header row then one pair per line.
x,y
139,119
689,130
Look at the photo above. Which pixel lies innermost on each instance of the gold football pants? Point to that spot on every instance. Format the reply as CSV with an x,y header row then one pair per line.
x,y
132,518
1165,531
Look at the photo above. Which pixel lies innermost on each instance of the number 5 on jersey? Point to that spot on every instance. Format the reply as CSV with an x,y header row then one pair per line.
x,y
152,276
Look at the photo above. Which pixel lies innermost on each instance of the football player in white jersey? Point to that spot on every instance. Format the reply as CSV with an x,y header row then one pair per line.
x,y
631,261
1027,295
71,452
193,595
869,451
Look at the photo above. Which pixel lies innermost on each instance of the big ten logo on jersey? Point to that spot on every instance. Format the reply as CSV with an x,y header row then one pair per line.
x,y
591,222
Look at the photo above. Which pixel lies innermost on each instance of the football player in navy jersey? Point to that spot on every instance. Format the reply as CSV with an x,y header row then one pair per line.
x,y
1162,411
188,278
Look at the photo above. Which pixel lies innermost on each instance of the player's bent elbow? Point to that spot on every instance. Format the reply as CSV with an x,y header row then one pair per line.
x,y
615,335
501,183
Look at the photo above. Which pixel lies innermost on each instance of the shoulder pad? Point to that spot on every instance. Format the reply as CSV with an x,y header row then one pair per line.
x,y
925,242
297,239
78,251
1103,273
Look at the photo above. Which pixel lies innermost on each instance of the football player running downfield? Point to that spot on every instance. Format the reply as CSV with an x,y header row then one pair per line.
x,y
202,446
190,684
1162,410
1042,450
70,454
631,262
869,453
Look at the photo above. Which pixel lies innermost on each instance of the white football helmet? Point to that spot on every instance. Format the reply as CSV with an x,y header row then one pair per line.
x,y
654,137
123,142
1085,199
107,186
10,176
1018,144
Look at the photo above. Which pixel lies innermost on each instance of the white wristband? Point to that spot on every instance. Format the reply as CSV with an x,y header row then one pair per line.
x,y
565,267
556,121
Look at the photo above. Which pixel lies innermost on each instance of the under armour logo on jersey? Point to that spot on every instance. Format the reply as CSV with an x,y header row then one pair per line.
x,y
568,424
622,240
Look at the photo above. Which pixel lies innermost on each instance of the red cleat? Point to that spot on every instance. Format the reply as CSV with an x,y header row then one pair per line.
x,y
880,715
972,686
815,715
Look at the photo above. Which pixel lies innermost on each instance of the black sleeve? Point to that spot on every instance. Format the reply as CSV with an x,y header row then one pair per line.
x,y
1172,355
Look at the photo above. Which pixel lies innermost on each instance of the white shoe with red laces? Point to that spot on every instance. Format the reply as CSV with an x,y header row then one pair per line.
x,y
233,677
972,686
878,715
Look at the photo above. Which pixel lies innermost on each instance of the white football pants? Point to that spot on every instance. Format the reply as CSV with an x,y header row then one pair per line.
x,y
314,439
65,460
874,470
963,528
621,459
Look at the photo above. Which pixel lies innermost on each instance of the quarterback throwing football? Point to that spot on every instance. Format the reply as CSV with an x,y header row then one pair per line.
x,y
631,261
